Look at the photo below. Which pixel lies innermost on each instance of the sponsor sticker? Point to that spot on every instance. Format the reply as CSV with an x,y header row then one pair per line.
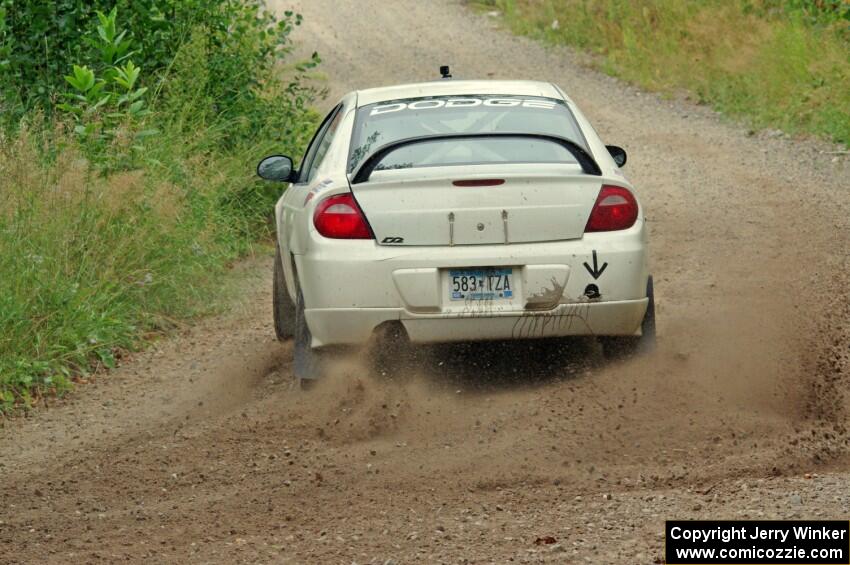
x,y
310,195
460,102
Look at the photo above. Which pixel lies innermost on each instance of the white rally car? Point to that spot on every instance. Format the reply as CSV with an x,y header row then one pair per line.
x,y
458,210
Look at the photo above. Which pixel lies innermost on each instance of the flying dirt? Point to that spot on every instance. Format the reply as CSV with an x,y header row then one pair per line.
x,y
201,450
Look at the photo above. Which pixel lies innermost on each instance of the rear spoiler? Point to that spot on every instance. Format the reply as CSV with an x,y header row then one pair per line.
x,y
588,164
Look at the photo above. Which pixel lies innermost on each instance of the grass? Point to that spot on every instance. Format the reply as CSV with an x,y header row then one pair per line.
x,y
94,264
773,63
121,213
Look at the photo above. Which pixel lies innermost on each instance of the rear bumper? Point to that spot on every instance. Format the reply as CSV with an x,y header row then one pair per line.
x,y
355,325
352,286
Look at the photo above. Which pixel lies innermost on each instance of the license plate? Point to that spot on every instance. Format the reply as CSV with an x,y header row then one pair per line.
x,y
481,284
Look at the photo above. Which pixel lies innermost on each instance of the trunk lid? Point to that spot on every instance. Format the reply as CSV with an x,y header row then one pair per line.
x,y
422,206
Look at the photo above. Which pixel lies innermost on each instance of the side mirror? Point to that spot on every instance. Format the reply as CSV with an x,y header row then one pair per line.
x,y
618,154
277,168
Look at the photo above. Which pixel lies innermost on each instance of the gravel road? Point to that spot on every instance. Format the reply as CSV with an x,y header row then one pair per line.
x,y
200,450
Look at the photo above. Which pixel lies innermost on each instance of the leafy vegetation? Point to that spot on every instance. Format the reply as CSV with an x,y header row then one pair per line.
x,y
775,63
130,131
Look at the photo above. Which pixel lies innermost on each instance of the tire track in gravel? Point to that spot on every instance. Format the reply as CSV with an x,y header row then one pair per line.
x,y
201,451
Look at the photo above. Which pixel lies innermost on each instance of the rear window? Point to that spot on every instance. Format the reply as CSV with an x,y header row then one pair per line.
x,y
378,124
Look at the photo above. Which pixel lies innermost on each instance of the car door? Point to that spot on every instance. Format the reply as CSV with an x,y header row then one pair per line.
x,y
293,199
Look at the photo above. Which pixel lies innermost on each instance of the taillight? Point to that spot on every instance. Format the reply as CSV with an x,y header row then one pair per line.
x,y
615,209
339,217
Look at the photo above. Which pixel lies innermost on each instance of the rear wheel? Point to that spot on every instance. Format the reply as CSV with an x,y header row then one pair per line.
x,y
307,362
391,353
618,347
283,309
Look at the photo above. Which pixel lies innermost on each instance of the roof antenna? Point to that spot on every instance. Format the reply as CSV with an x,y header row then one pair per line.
x,y
445,72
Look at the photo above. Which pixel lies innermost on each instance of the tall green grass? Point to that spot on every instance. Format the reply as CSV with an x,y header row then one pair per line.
x,y
775,63
91,265
110,238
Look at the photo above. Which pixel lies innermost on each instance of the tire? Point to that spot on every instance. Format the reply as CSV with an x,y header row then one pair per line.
x,y
307,362
619,347
391,354
283,310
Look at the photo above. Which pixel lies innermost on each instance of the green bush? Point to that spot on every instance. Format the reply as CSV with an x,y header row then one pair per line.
x,y
41,41
127,172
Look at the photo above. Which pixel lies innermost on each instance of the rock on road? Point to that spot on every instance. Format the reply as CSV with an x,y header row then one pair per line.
x,y
199,450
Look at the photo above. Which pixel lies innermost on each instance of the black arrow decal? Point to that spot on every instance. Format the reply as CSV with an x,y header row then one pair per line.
x,y
596,271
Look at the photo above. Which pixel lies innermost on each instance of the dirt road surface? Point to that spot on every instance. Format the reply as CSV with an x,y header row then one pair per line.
x,y
200,450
